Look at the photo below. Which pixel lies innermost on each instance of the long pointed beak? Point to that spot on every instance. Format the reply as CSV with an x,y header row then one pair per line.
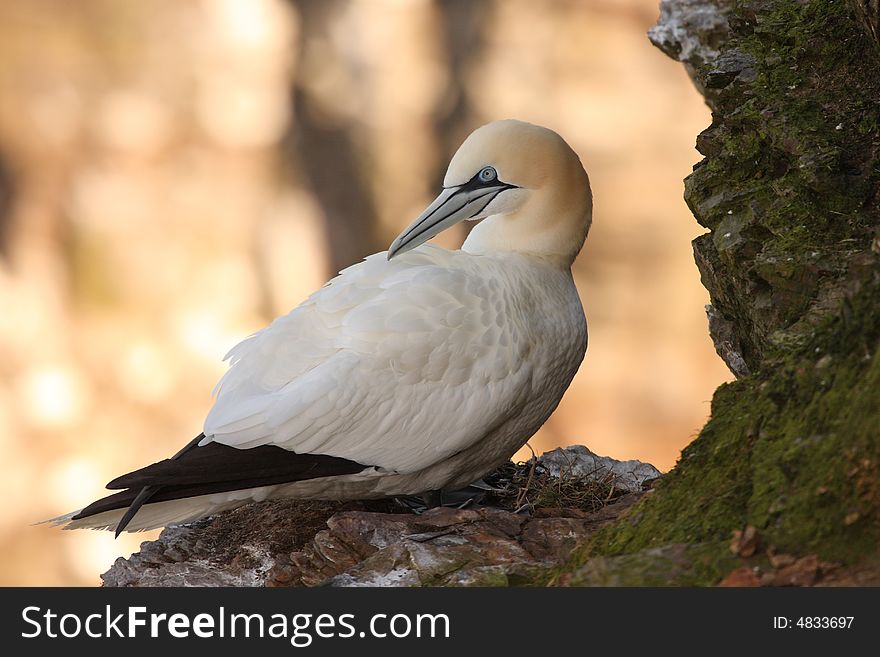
x,y
454,204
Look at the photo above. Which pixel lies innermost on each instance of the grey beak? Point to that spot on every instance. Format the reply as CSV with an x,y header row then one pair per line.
x,y
453,205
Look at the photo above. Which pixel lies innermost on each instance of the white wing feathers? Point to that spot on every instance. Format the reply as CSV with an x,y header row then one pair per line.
x,y
396,364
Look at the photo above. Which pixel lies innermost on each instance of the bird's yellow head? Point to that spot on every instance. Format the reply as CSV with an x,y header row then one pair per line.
x,y
526,182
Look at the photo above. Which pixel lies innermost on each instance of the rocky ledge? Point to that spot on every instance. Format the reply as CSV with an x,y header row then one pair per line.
x,y
523,523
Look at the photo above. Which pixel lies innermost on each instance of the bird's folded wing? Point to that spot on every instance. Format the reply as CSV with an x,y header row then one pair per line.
x,y
216,468
218,464
398,364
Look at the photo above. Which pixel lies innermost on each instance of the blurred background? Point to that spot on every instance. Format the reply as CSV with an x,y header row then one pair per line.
x,y
176,173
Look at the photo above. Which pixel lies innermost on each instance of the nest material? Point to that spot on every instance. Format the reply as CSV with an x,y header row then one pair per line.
x,y
527,486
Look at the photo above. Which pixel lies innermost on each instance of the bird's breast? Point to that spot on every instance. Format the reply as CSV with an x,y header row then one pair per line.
x,y
532,317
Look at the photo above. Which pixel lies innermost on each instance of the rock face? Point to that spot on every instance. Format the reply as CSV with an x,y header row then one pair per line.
x,y
441,547
789,185
788,188
789,191
236,548
380,543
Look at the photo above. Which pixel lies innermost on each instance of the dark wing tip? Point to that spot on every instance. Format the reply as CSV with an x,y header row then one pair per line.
x,y
142,498
213,468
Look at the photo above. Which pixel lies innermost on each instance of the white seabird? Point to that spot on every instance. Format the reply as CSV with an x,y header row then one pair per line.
x,y
418,369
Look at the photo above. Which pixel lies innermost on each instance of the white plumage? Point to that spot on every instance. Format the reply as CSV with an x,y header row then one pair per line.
x,y
426,366
398,363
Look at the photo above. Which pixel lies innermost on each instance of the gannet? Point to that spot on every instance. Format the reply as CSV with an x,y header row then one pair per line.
x,y
418,369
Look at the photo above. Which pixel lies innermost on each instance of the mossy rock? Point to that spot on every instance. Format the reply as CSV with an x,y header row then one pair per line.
x,y
790,186
794,453
790,190
677,564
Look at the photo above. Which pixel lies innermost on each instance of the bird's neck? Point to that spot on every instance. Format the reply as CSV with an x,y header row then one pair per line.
x,y
552,237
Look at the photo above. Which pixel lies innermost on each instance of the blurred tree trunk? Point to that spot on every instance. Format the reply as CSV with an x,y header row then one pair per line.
x,y
462,33
6,191
323,148
464,43
324,152
789,191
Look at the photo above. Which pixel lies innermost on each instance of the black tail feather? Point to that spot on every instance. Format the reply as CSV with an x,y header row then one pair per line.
x,y
142,498
213,468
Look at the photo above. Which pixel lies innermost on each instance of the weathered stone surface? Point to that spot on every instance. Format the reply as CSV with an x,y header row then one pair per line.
x,y
726,342
236,548
578,461
692,31
441,547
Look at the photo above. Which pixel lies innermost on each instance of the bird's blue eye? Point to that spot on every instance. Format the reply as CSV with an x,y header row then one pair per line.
x,y
487,174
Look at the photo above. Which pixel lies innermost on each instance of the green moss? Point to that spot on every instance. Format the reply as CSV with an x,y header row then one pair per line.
x,y
717,462
792,174
493,576
795,453
671,565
